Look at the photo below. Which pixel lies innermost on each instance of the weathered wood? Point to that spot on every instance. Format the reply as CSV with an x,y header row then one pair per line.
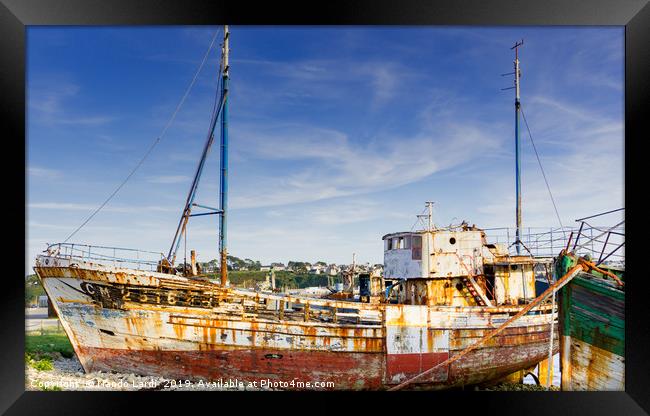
x,y
592,316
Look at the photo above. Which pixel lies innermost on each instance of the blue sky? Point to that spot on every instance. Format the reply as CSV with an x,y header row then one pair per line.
x,y
338,134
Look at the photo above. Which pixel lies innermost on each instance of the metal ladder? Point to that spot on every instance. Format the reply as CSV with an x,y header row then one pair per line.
x,y
473,287
474,290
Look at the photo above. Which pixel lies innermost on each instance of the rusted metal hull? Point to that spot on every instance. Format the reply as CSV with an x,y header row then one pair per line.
x,y
156,324
345,370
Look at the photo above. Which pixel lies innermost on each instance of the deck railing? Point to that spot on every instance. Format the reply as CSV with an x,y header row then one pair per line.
x,y
115,256
607,245
540,241
602,243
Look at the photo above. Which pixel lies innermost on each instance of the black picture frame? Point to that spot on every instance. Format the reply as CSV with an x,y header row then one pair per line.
x,y
15,15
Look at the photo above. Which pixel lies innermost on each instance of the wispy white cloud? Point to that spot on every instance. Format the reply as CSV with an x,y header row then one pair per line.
x,y
64,206
168,179
83,120
69,228
339,211
49,104
45,173
564,108
335,165
583,162
601,65
332,79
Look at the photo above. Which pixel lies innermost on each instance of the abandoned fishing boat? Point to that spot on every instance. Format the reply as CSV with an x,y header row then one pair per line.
x,y
592,310
459,311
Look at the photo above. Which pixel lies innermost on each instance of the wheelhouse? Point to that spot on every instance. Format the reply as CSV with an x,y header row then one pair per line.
x,y
455,267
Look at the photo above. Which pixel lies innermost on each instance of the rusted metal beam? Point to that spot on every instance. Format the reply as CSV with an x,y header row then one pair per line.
x,y
605,272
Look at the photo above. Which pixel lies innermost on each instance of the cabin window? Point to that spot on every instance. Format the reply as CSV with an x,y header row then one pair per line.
x,y
388,244
407,242
416,251
452,240
397,243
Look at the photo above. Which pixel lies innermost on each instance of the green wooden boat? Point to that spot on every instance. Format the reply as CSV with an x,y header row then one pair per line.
x,y
592,325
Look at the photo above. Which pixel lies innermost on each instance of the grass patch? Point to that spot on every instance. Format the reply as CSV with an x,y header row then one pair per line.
x,y
44,345
42,361
44,364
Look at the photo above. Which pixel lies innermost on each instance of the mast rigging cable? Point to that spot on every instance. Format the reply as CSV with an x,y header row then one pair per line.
x,y
153,145
542,169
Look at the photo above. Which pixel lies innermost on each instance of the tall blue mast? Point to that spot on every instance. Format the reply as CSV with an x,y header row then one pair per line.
x,y
517,147
221,110
189,203
223,195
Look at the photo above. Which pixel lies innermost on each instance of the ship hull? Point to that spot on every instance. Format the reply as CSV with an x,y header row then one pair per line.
x,y
592,316
155,324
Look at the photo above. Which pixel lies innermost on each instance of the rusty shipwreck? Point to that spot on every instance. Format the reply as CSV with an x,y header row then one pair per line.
x,y
457,310
592,308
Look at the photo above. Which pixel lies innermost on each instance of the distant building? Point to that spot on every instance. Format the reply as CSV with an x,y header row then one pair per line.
x,y
265,268
209,267
332,270
278,266
42,301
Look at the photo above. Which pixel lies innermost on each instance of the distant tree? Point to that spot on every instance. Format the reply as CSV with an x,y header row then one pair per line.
x,y
33,289
297,266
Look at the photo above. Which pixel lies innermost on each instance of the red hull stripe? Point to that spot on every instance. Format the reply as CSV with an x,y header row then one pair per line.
x,y
345,370
413,364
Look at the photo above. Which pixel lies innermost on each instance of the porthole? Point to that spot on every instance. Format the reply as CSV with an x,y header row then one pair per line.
x,y
452,240
513,267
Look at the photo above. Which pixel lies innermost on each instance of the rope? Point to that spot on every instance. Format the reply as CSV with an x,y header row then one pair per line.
x,y
549,382
153,145
542,169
